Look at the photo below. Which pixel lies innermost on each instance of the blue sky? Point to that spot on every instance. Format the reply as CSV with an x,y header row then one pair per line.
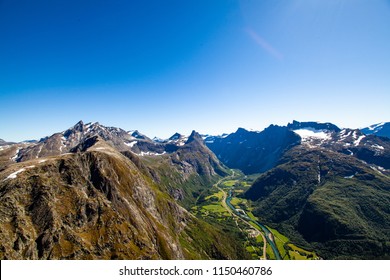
x,y
212,66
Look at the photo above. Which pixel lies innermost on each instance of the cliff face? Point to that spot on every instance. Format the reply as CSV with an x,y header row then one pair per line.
x,y
93,203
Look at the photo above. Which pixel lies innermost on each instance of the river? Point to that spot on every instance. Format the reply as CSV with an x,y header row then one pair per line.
x,y
264,228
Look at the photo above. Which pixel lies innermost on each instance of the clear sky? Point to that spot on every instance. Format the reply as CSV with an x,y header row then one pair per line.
x,y
174,65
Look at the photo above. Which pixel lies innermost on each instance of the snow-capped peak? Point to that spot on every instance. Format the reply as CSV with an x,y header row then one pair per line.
x,y
375,126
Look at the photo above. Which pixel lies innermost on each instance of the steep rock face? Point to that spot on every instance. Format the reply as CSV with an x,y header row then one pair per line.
x,y
200,157
93,203
253,152
327,200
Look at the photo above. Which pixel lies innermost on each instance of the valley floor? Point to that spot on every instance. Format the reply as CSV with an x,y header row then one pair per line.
x,y
223,204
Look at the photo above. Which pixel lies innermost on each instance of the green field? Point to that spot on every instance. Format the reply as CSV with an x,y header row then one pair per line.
x,y
301,254
216,208
250,215
230,183
236,201
218,195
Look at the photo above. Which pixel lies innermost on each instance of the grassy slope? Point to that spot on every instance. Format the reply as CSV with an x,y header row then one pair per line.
x,y
339,216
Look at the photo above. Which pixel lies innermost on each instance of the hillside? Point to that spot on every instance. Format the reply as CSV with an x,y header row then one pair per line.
x,y
95,203
328,201
97,192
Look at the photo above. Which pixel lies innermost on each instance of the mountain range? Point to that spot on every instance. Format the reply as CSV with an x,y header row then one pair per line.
x,y
100,192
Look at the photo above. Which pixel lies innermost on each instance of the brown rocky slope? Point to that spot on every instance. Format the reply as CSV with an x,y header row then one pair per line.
x,y
95,203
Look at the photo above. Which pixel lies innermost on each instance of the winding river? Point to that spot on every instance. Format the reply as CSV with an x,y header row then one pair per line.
x,y
268,234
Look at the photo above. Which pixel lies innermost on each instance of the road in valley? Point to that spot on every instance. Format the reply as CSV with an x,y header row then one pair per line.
x,y
267,236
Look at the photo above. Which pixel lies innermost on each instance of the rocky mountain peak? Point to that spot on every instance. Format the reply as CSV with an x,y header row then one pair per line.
x,y
138,135
175,136
241,130
79,126
274,128
295,125
195,137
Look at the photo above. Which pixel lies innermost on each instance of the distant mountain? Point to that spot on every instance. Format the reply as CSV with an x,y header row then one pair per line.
x,y
253,152
369,148
331,192
295,125
380,129
3,142
256,152
63,142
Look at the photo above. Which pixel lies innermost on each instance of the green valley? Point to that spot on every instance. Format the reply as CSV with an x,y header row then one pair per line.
x,y
212,206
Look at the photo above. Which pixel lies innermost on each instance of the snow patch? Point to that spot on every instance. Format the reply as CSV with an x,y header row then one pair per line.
x,y
344,134
14,158
376,146
381,168
307,133
15,174
40,150
378,169
131,144
181,143
375,126
150,154
158,140
357,141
